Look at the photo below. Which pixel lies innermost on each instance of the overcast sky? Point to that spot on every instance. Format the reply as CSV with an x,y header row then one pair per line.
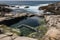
x,y
29,0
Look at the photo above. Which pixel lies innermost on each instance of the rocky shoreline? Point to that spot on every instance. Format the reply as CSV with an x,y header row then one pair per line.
x,y
52,24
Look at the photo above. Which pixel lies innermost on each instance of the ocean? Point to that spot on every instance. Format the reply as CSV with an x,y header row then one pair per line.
x,y
31,3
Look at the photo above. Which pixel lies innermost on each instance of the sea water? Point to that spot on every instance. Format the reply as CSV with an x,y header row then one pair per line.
x,y
31,3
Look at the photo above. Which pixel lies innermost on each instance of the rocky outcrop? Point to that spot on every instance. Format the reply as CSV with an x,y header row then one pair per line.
x,y
52,20
53,8
52,34
53,26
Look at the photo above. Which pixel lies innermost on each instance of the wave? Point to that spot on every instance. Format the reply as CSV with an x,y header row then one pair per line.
x,y
43,5
35,9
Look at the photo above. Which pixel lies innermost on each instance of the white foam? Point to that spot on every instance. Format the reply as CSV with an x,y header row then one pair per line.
x,y
43,5
35,9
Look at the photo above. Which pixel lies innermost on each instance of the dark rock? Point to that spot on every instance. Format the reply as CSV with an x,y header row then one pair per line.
x,y
53,8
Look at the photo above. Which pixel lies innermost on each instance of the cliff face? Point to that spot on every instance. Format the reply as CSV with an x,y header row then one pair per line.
x,y
53,25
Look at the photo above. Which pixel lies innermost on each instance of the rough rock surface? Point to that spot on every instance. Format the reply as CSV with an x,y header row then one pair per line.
x,y
6,37
52,34
53,25
53,21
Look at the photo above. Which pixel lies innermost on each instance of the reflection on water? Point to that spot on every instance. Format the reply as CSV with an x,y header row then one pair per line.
x,y
33,21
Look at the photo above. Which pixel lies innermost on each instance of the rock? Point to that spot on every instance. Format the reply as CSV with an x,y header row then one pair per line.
x,y
9,15
24,38
6,37
53,21
53,26
52,34
54,8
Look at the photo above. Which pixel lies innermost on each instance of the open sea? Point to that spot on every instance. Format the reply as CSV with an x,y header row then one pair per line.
x,y
31,3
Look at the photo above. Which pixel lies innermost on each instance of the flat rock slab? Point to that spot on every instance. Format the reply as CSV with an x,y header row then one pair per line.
x,y
5,37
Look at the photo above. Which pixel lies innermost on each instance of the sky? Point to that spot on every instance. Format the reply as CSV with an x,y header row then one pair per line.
x,y
29,0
